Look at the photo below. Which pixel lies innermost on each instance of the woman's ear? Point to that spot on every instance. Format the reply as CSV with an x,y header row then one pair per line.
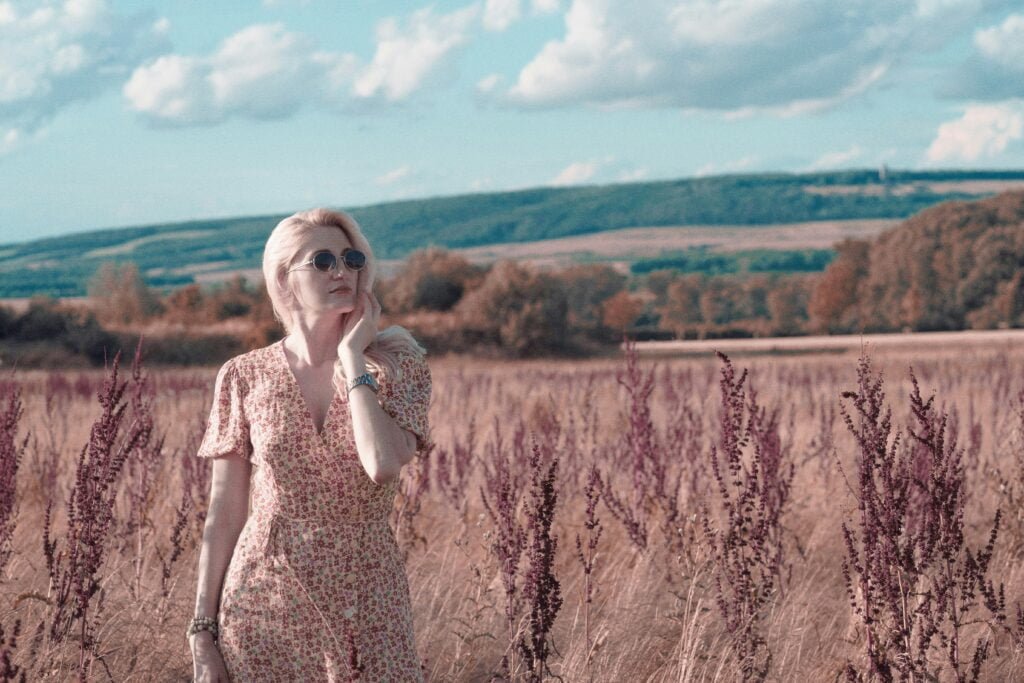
x,y
283,287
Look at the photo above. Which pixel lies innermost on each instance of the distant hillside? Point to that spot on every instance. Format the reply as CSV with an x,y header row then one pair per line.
x,y
175,254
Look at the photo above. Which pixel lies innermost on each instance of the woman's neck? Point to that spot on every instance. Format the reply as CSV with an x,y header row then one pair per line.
x,y
313,339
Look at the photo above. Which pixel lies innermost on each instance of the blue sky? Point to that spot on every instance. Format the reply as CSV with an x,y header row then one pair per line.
x,y
121,113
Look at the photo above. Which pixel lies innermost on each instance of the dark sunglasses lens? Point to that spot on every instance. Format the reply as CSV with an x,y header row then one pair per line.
x,y
354,259
324,261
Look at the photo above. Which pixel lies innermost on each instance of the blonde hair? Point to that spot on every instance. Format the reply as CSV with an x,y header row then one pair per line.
x,y
283,247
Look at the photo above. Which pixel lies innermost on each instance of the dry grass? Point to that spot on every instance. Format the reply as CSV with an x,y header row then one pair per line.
x,y
654,616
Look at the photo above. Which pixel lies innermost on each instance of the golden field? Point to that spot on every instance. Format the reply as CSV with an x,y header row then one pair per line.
x,y
654,615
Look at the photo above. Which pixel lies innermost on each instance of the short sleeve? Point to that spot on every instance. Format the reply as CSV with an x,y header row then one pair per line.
x,y
406,398
227,431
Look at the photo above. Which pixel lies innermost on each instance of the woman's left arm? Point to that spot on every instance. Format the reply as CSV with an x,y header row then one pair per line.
x,y
383,446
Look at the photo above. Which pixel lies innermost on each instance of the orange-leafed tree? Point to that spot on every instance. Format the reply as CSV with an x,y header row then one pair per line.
x,y
518,308
620,311
834,305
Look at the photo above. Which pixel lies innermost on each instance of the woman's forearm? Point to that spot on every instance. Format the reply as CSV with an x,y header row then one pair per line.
x,y
229,508
383,447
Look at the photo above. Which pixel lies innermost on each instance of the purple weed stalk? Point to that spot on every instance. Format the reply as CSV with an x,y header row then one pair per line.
x,y
775,471
640,437
588,556
641,444
453,467
177,541
10,458
632,520
684,437
11,451
500,496
911,579
955,579
74,569
743,532
541,589
879,560
141,465
9,671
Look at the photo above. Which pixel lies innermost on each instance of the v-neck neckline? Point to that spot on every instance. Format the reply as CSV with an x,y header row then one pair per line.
x,y
320,433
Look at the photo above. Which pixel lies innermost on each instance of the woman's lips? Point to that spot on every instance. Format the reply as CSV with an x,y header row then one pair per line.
x,y
341,289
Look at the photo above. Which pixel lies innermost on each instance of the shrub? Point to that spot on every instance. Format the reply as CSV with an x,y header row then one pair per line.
x,y
44,320
518,308
431,279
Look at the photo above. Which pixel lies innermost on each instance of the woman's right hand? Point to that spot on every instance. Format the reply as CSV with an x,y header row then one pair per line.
x,y
207,662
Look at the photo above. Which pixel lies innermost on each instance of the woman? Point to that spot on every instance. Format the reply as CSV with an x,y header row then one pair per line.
x,y
309,584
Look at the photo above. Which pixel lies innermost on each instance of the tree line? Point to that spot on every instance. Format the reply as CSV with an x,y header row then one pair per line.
x,y
959,265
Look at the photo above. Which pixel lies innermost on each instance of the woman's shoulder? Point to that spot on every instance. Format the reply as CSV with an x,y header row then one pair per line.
x,y
252,363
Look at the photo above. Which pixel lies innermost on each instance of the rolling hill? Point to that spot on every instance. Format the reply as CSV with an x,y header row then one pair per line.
x,y
174,254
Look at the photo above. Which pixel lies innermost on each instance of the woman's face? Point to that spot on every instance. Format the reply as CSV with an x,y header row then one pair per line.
x,y
318,292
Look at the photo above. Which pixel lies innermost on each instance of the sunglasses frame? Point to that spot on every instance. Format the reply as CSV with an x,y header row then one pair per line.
x,y
334,267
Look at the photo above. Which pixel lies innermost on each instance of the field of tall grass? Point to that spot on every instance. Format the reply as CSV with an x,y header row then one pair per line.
x,y
797,518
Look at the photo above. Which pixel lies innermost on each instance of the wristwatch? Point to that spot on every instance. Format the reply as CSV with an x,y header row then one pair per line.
x,y
365,378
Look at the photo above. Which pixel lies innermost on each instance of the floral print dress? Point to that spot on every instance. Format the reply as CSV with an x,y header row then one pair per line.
x,y
316,588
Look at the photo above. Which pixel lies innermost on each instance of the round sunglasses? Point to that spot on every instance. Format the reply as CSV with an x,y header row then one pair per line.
x,y
326,261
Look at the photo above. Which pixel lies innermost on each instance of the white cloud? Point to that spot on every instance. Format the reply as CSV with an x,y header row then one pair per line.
x,y
489,83
9,140
984,131
260,72
1003,44
781,56
265,71
500,14
393,176
994,71
836,159
575,173
53,54
407,55
545,6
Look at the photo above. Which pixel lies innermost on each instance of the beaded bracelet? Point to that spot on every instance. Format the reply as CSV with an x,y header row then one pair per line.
x,y
198,624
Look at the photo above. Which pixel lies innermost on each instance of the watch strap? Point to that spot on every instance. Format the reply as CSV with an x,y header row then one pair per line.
x,y
365,378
